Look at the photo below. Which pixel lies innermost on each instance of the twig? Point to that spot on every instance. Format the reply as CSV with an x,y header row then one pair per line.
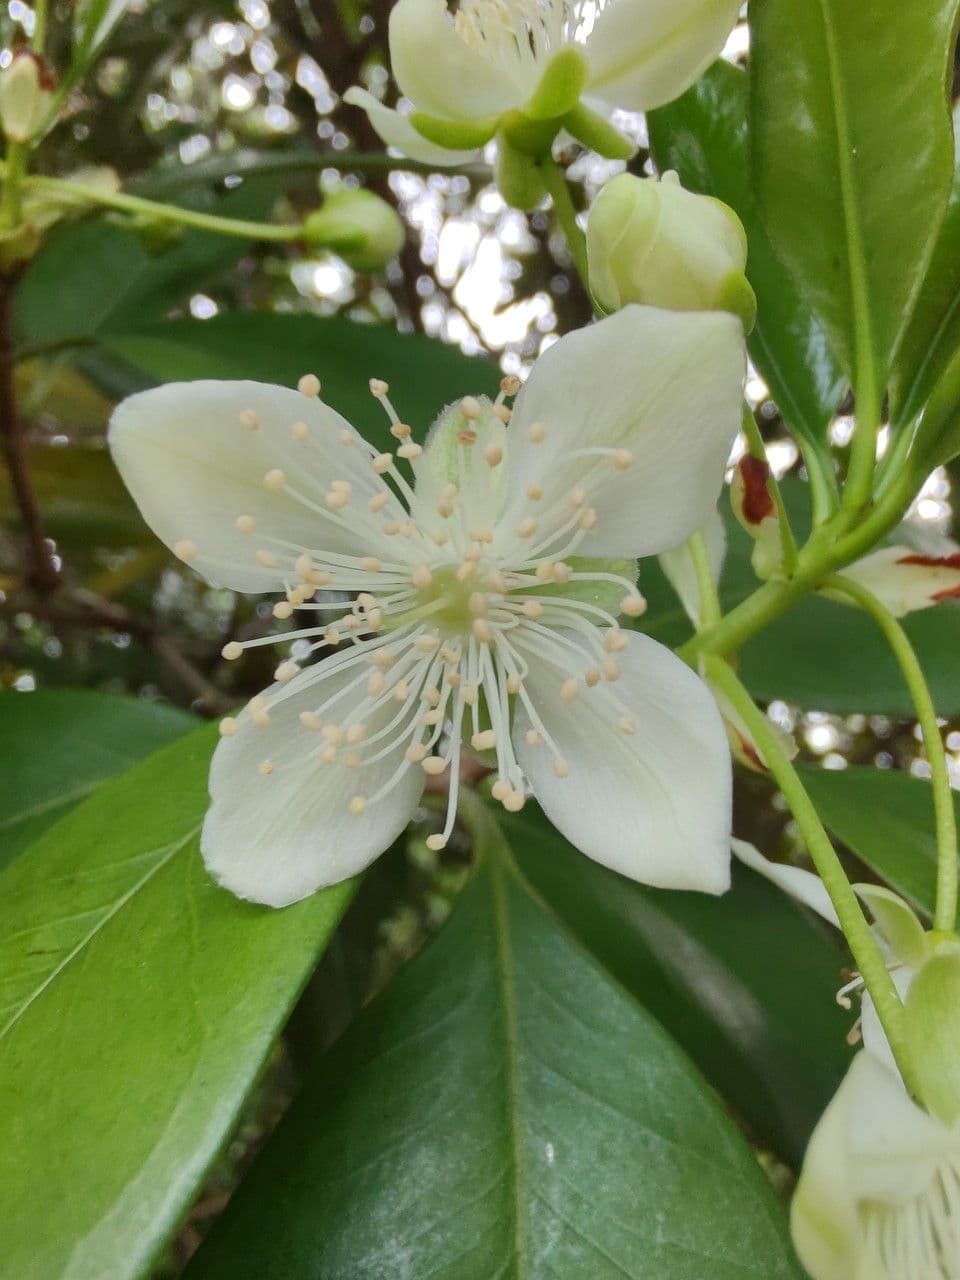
x,y
43,572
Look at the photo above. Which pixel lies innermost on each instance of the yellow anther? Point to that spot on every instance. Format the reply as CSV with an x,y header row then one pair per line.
x,y
534,492
286,671
485,740
228,726
379,388
421,577
249,419
415,752
426,644
333,734
611,669
633,606
527,527
436,842
383,659
375,683
378,501
430,695
357,805
382,463
400,431
533,738
577,496
510,384
477,603
614,640
514,684
231,650
569,689
482,630
500,789
310,720
560,767
300,431
267,767
502,412
560,572
531,609
493,455
538,433
327,754
622,459
309,385
401,691
410,451
282,610
370,564
591,677
244,524
471,408
514,801
588,519
267,559
434,765
627,725
466,571
274,479
336,498
185,549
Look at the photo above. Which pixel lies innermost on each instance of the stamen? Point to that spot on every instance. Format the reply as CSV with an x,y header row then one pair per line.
x,y
309,385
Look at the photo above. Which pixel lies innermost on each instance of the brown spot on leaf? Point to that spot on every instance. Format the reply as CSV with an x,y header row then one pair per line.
x,y
757,503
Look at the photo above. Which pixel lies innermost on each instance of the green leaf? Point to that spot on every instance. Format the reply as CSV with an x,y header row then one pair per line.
x,y
58,745
821,654
424,374
932,338
823,134
503,1109
93,274
744,982
703,136
886,818
138,1004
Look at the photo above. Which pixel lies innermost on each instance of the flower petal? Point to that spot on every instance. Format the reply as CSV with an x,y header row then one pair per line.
x,y
438,71
194,467
397,131
677,565
654,803
905,580
276,837
664,386
795,881
643,53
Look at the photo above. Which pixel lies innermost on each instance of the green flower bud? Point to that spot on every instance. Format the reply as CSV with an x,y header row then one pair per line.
x,y
652,242
359,226
26,92
932,1025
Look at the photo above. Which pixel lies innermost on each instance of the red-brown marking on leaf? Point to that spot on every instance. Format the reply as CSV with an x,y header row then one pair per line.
x,y
951,561
949,593
757,503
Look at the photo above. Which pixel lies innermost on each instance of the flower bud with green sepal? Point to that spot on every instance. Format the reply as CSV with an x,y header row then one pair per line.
x,y
652,242
359,226
26,95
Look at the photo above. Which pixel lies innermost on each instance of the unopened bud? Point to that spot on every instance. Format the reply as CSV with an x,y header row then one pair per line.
x,y
652,242
359,226
26,93
754,508
932,1025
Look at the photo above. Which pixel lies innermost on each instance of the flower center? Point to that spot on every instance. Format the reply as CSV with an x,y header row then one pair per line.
x,y
921,1237
520,35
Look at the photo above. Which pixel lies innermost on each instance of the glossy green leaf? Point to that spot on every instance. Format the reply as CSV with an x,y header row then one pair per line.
x,y
92,274
821,655
58,745
932,338
836,90
424,375
138,1003
503,1109
886,818
744,982
703,136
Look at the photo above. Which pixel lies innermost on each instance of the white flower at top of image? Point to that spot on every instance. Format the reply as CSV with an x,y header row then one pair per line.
x,y
536,60
459,593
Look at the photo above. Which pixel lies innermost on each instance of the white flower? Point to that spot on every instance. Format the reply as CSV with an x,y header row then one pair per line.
x,y
536,59
458,629
879,1193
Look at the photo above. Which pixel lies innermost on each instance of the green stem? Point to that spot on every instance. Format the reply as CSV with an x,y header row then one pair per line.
x,y
555,181
14,169
832,546
166,212
858,486
945,917
758,450
863,945
710,611
39,26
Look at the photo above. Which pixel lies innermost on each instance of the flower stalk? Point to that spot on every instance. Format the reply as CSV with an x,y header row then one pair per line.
x,y
555,181
863,945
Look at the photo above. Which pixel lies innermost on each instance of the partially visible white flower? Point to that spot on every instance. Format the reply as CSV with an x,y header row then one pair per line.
x,y
904,579
616,448
879,1193
534,66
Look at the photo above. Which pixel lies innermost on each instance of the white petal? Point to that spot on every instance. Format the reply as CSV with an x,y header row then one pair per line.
x,y
643,53
677,565
397,131
798,883
905,580
666,387
440,73
277,837
874,1037
653,805
194,467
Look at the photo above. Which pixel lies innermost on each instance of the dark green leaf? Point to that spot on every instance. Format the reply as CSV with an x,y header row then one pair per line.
x,y
823,134
503,1109
703,136
424,374
138,1003
887,820
933,336
744,983
58,745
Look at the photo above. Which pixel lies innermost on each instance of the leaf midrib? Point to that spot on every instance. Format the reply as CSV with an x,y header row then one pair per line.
x,y
167,854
